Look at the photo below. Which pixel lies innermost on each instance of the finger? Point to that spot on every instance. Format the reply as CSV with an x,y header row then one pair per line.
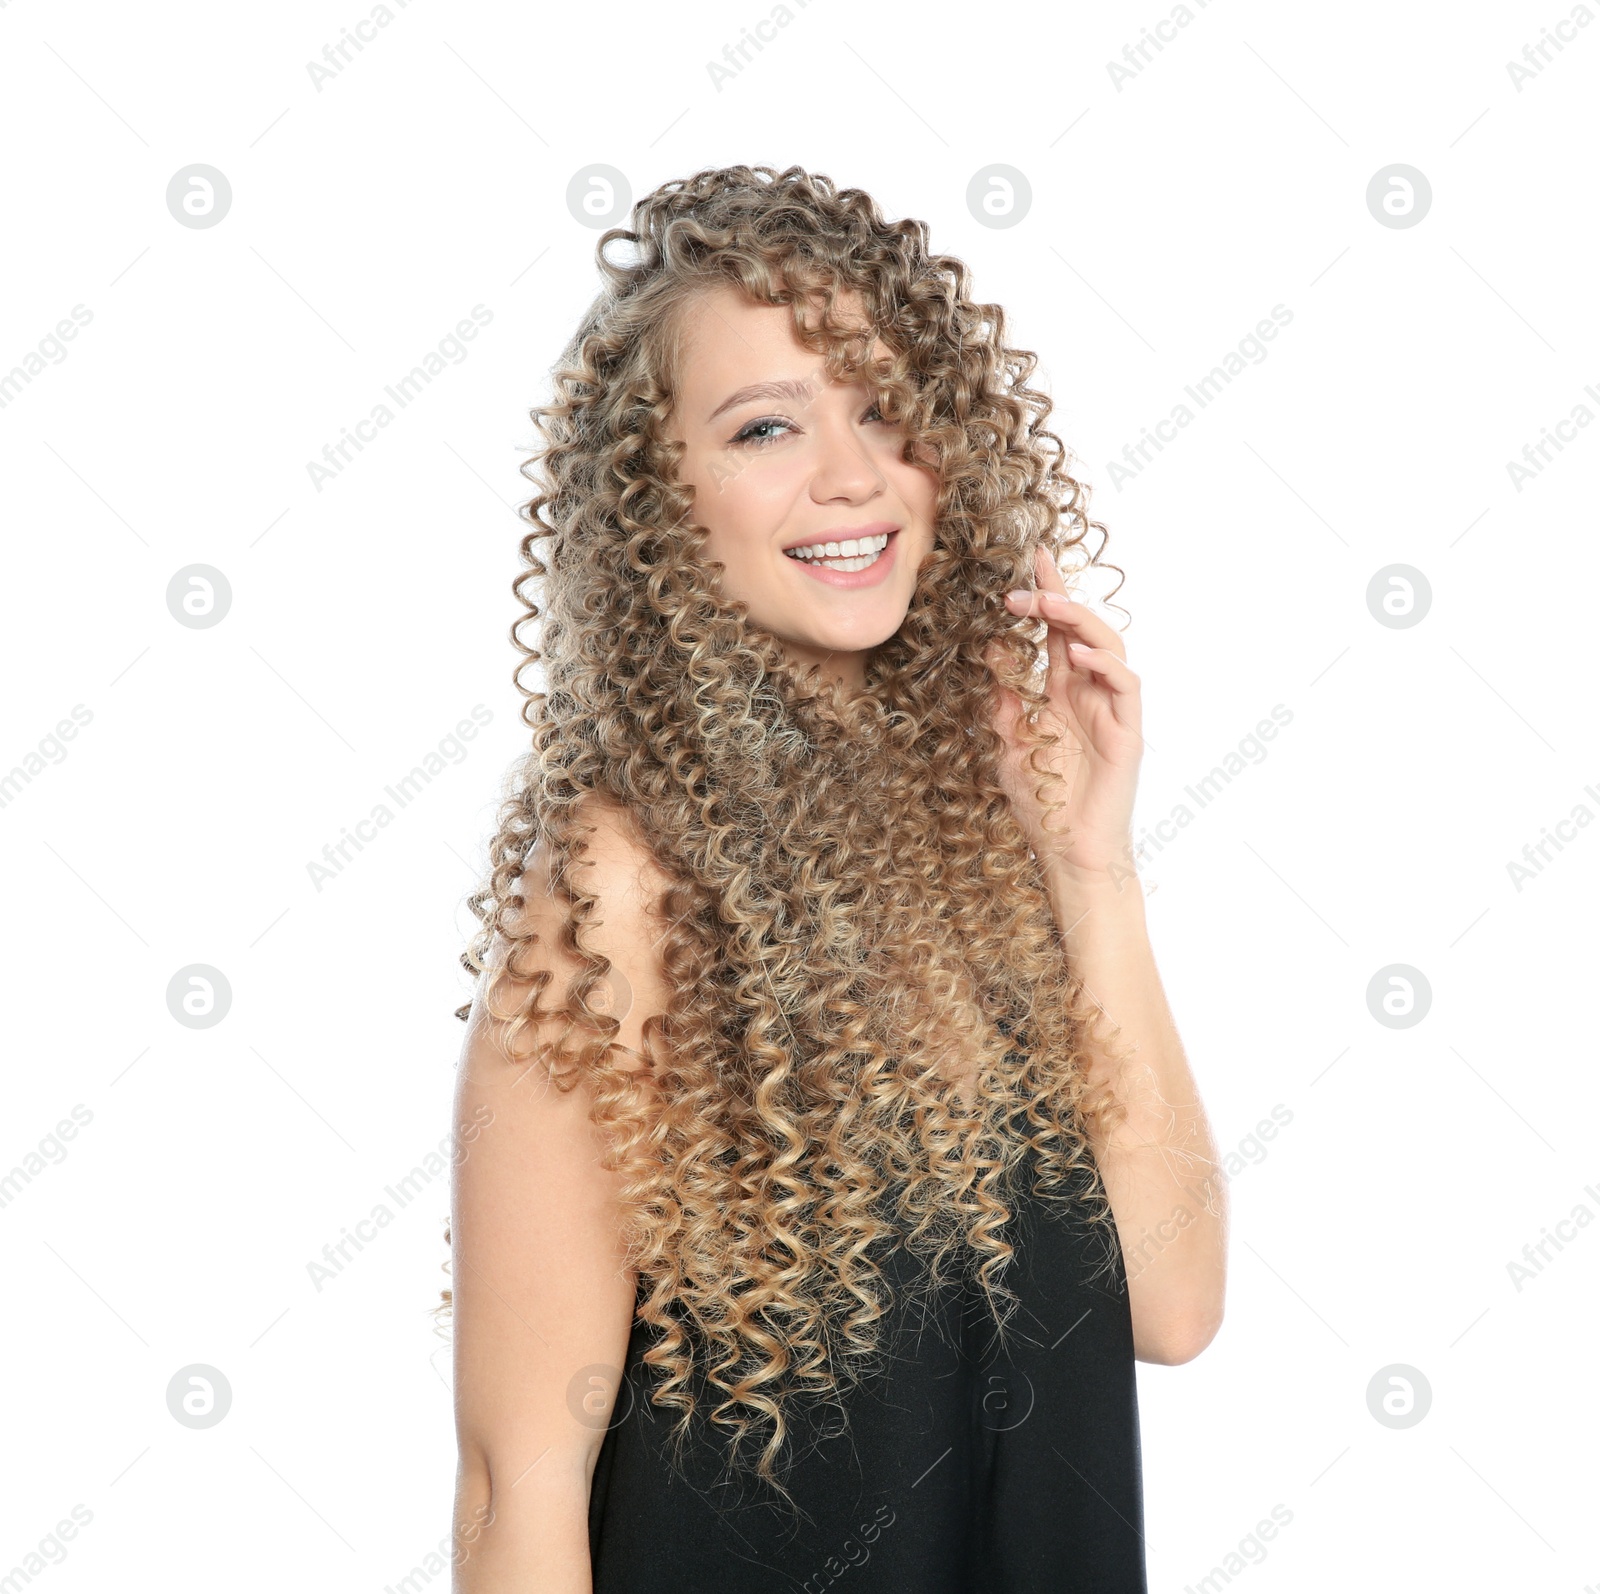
x,y
1057,609
1108,677
1112,670
1058,667
1046,572
1055,642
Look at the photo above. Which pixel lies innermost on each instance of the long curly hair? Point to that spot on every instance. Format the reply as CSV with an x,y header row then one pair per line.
x,y
843,872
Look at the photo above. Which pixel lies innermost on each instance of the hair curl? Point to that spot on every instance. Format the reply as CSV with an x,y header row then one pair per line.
x,y
845,871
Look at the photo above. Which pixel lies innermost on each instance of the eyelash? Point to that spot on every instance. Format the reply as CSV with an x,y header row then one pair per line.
x,y
742,437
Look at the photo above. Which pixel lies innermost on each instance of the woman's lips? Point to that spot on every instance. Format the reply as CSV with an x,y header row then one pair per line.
x,y
870,576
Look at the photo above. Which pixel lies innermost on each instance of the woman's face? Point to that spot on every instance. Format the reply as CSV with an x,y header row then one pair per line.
x,y
779,457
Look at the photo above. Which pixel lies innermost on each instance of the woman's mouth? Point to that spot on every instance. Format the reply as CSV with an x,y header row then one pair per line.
x,y
850,559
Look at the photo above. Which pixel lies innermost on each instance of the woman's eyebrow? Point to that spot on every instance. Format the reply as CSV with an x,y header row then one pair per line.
x,y
797,392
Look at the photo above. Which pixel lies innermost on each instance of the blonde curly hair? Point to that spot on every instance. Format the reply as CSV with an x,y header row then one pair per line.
x,y
843,872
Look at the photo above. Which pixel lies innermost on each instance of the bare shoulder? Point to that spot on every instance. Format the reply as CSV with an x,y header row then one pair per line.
x,y
616,862
544,1291
626,924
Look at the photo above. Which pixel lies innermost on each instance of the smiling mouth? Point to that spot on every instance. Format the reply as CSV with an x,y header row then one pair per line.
x,y
854,553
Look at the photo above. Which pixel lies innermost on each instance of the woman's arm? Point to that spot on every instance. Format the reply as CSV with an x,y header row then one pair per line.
x,y
543,1302
1160,1165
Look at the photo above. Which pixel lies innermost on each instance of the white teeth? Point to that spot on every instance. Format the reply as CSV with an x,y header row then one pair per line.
x,y
854,553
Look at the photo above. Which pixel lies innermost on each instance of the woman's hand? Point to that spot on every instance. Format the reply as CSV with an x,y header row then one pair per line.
x,y
1095,709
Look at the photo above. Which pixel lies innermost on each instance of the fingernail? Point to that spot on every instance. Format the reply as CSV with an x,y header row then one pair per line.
x,y
1019,594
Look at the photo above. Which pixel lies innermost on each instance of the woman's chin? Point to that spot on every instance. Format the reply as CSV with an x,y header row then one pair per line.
x,y
823,639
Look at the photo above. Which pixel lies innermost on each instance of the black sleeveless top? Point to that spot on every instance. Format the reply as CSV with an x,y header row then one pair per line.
x,y
969,1465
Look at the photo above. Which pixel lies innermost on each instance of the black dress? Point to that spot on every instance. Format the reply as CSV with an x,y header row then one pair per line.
x,y
968,1467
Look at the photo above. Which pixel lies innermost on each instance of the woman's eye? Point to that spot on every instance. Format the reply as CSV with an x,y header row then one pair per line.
x,y
749,435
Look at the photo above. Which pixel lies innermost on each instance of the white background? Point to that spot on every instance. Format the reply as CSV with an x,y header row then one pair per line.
x,y
1168,216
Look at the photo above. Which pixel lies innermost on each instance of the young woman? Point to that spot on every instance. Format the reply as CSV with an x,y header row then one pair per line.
x,y
832,1154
